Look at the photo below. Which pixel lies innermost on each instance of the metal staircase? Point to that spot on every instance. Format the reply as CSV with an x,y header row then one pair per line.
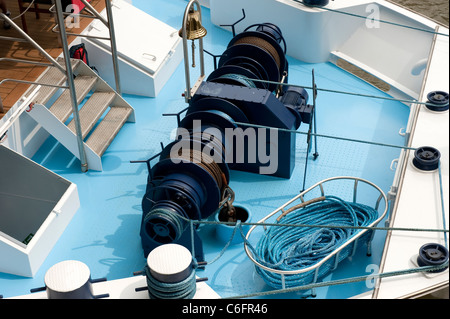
x,y
73,103
102,111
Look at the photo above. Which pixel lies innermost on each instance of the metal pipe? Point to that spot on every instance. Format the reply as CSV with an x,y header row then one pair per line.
x,y
32,82
52,10
79,34
200,48
25,61
12,39
186,57
185,50
112,36
94,12
32,42
73,97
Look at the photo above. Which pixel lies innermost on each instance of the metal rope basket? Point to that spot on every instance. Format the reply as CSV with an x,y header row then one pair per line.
x,y
351,189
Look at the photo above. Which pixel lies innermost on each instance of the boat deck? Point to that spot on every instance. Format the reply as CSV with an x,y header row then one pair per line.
x,y
360,138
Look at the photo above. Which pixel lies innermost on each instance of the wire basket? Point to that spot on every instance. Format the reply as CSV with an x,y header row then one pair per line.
x,y
350,189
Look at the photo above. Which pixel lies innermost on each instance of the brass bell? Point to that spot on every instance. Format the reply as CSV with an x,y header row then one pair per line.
x,y
194,28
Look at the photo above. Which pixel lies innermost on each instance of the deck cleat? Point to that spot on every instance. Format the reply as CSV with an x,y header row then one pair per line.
x,y
426,158
433,254
437,101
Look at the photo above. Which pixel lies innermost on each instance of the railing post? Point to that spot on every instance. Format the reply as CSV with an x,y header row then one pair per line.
x,y
73,97
112,37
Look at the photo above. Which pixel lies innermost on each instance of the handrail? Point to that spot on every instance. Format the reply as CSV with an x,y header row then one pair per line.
x,y
54,29
67,71
95,12
112,37
25,61
12,39
20,109
73,96
33,82
53,10
32,42
109,23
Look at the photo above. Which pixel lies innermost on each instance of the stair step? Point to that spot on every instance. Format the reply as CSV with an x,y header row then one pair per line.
x,y
52,76
92,110
108,128
62,108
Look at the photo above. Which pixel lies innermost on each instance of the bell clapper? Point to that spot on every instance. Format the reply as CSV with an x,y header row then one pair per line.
x,y
193,54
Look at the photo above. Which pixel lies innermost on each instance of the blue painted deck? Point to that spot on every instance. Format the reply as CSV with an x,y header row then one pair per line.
x,y
104,233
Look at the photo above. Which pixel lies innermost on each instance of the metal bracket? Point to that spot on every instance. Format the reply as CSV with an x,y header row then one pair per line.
x,y
232,25
178,115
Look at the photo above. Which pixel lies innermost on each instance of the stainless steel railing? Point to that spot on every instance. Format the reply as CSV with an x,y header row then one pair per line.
x,y
58,10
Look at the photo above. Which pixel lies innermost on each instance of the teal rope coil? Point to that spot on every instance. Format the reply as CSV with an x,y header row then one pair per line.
x,y
184,289
171,218
239,78
296,248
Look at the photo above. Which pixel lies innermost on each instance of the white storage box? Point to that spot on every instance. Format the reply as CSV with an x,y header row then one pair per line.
x,y
149,50
36,205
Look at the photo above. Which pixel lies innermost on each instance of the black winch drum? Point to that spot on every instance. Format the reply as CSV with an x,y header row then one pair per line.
x,y
256,53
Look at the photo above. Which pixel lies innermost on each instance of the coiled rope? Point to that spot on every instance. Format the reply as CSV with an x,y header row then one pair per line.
x,y
263,44
206,162
184,289
294,248
239,78
286,223
172,221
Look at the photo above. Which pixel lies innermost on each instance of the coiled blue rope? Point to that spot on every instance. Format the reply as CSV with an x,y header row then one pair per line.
x,y
184,289
296,248
169,218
